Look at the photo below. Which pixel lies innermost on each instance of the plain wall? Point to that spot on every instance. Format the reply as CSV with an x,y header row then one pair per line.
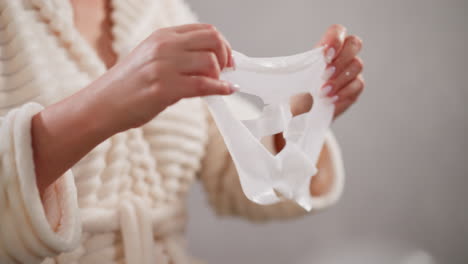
x,y
404,144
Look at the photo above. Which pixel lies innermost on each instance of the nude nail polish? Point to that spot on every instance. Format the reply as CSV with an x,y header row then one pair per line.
x,y
325,90
233,62
330,55
334,99
233,88
329,73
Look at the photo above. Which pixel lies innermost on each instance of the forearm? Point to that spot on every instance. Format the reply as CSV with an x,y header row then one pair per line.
x,y
66,131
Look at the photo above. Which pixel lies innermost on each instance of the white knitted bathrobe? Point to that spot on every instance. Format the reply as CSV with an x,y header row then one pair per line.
x,y
124,202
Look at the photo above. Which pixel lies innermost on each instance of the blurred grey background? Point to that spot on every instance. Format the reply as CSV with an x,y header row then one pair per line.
x,y
405,144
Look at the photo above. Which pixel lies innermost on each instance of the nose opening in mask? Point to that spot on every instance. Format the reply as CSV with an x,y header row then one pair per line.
x,y
301,103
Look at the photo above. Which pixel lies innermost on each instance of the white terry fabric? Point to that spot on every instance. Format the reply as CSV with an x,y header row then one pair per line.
x,y
26,235
130,189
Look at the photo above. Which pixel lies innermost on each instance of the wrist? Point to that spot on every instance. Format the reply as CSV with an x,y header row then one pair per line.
x,y
97,112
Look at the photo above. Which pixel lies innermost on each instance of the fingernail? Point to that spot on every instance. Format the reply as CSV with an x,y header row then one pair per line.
x,y
330,55
329,73
233,62
334,99
326,90
233,88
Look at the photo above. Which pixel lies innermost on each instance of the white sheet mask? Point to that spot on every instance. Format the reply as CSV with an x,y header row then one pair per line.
x,y
267,178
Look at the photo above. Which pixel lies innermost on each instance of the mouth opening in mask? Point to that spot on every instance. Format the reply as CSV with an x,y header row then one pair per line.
x,y
245,106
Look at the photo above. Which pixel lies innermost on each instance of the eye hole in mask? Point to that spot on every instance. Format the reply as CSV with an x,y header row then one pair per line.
x,y
245,106
262,107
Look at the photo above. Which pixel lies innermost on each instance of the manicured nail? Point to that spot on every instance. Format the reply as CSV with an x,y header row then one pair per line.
x,y
233,88
334,99
330,55
325,90
233,62
329,73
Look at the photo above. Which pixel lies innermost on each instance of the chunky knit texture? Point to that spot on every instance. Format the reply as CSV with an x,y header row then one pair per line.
x,y
124,202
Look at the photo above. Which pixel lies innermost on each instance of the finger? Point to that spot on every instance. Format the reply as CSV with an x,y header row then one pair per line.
x,y
350,73
208,40
230,58
342,106
203,86
352,90
198,63
333,41
191,27
351,48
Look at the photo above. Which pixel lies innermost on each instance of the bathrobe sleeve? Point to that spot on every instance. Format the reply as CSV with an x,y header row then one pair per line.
x,y
32,228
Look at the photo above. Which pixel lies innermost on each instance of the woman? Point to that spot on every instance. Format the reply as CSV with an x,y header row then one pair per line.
x,y
98,150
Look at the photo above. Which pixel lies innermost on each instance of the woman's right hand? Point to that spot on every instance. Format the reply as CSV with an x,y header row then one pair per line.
x,y
171,64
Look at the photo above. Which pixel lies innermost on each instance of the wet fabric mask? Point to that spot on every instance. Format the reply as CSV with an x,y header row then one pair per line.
x,y
268,84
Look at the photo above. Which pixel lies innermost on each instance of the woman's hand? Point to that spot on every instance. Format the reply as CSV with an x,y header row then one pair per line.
x,y
344,82
171,64
343,74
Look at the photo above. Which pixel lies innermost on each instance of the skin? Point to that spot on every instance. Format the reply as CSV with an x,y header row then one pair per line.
x,y
171,64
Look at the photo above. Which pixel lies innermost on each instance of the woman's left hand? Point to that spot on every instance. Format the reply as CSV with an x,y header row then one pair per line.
x,y
343,78
344,82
